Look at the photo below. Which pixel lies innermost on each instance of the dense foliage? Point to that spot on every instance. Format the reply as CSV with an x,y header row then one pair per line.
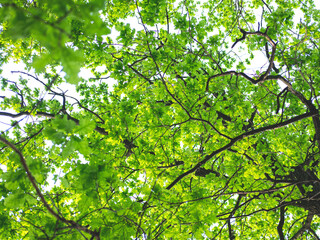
x,y
211,130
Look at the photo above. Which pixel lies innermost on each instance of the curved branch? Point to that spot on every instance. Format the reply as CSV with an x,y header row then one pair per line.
x,y
314,234
210,124
40,195
238,138
265,76
305,227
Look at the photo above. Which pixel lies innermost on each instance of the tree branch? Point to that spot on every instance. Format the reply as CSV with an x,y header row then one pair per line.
x,y
281,222
305,227
265,76
40,195
238,138
49,115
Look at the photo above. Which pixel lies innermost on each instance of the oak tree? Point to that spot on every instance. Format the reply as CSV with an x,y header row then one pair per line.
x,y
200,119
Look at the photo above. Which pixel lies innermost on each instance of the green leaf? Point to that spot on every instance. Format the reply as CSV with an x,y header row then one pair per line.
x,y
63,124
54,135
86,126
14,200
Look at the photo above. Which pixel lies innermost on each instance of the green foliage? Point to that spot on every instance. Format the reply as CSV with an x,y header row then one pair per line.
x,y
201,120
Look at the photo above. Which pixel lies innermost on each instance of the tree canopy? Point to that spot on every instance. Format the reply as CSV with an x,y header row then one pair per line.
x,y
200,120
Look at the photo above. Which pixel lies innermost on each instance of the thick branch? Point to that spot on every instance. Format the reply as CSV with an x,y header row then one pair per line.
x,y
308,104
238,138
281,223
230,231
305,227
314,234
40,195
236,206
265,76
